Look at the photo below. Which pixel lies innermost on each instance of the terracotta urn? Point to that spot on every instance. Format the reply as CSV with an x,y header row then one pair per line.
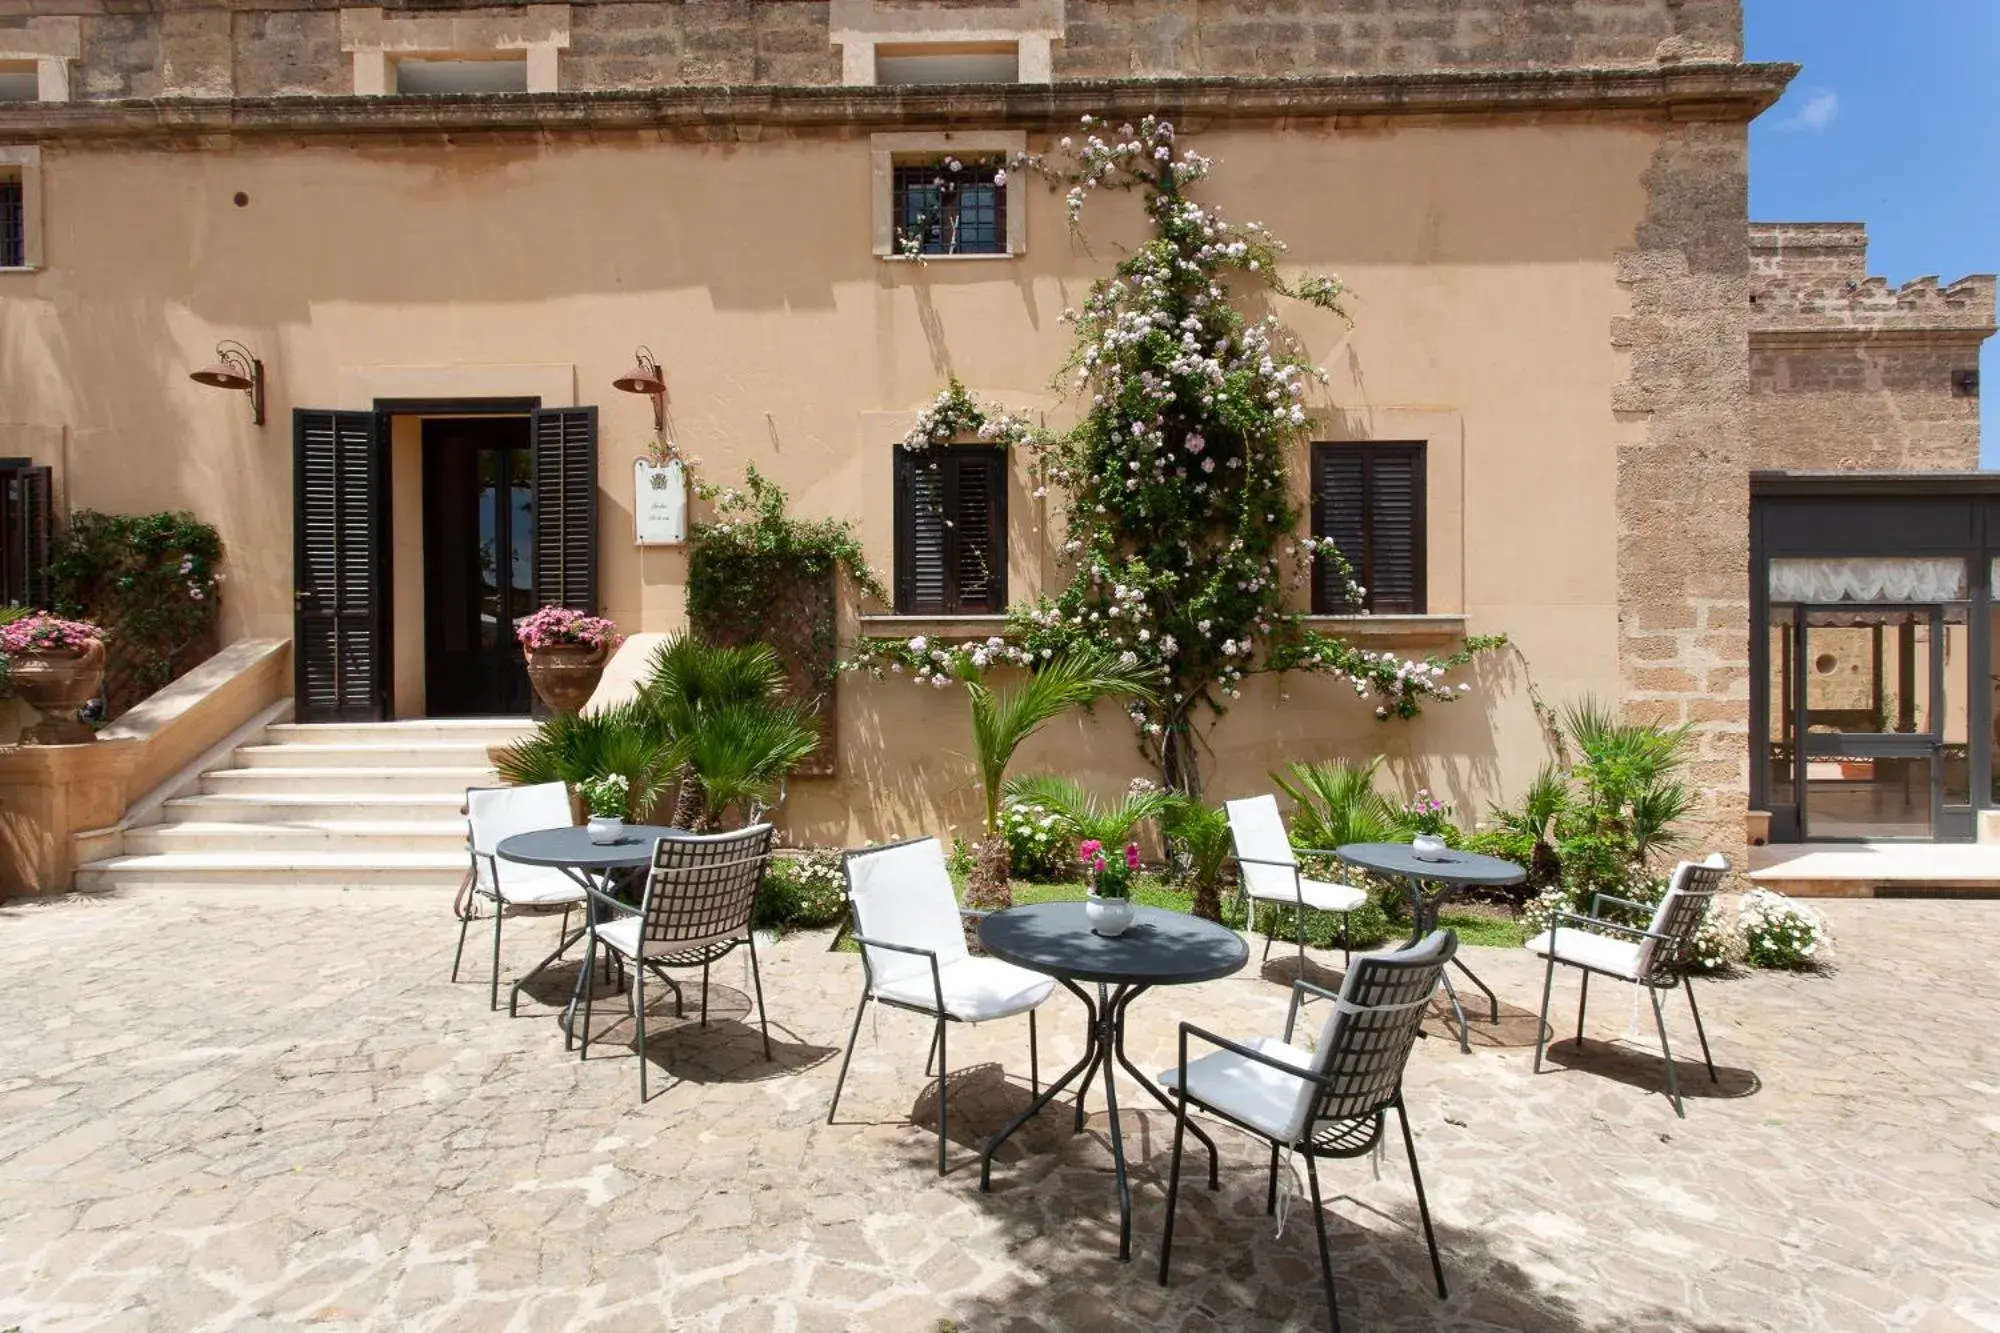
x,y
565,674
57,683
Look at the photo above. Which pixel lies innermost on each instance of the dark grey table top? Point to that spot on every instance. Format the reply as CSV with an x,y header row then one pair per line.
x,y
1397,858
572,847
1160,948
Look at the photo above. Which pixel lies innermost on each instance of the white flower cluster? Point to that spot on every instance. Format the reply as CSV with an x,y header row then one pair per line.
x,y
1778,932
939,664
955,413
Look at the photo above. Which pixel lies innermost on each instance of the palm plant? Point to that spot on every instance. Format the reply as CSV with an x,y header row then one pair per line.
x,y
1338,804
1080,815
573,748
739,754
732,738
1198,836
1002,720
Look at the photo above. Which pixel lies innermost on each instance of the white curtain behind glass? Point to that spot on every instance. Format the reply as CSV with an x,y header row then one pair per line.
x,y
1893,580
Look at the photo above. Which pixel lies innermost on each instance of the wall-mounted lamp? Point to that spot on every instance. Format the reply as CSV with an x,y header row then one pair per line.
x,y
235,368
645,377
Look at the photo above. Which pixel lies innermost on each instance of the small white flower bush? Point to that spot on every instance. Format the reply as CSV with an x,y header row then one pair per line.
x,y
1778,932
1034,840
807,890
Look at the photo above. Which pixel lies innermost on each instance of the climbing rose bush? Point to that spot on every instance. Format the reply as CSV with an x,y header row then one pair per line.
x,y
1180,529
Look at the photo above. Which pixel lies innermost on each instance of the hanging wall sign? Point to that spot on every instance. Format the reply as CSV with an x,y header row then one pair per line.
x,y
659,503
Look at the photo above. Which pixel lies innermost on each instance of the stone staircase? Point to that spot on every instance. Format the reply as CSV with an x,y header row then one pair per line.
x,y
349,805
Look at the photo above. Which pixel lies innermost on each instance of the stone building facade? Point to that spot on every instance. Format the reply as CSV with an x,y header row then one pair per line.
x,y
1540,205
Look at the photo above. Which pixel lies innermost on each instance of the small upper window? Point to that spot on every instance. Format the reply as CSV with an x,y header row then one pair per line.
x,y
995,62
427,77
951,206
951,531
13,220
1369,499
20,81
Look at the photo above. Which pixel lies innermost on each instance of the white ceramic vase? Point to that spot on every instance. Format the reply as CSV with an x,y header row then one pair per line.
x,y
1429,847
606,829
1108,916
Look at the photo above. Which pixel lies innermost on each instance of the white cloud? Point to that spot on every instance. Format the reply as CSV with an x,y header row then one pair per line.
x,y
1815,113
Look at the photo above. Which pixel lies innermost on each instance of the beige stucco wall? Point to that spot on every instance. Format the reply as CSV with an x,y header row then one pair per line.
x,y
1481,261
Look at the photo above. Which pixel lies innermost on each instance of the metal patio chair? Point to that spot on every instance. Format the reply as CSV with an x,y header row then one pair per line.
x,y
496,813
700,894
1269,869
1330,1101
914,957
1656,957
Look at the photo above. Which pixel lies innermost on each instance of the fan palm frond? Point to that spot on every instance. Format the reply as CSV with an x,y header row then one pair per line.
x,y
1002,719
1338,804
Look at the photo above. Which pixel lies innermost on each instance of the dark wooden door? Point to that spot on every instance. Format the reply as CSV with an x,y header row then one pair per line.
x,y
340,635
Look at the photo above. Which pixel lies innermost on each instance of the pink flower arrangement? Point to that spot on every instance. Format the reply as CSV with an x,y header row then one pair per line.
x,y
1107,878
554,626
44,633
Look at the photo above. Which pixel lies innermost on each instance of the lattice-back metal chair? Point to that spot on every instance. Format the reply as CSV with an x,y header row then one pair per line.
x,y
701,892
1657,957
496,813
914,957
1330,1101
1269,869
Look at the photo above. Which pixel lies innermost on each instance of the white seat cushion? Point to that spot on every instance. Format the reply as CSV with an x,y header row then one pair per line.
x,y
975,989
623,935
1318,895
531,886
1602,953
1267,1099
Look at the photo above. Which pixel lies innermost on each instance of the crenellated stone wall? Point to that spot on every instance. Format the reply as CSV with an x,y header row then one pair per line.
x,y
261,48
1850,373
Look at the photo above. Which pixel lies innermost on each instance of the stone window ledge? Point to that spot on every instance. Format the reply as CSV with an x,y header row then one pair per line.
x,y
942,259
933,627
1429,629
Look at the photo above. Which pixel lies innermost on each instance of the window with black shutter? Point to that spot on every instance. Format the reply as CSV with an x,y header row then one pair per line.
x,y
1369,500
565,507
951,531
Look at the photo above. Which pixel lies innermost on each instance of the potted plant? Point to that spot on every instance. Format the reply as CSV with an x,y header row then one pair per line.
x,y
1109,904
1430,824
566,652
57,666
604,799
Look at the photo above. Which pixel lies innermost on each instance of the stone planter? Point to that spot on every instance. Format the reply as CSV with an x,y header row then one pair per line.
x,y
565,674
56,684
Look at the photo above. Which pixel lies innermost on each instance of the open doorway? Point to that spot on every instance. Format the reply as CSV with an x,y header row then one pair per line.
x,y
479,564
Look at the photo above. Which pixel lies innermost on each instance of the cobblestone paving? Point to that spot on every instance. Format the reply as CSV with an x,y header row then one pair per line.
x,y
245,1111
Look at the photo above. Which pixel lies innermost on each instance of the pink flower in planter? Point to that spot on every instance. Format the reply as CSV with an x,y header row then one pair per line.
x,y
1132,856
42,632
1090,849
553,626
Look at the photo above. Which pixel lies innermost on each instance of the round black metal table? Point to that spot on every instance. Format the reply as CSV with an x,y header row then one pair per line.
x,y
597,866
1159,949
1453,871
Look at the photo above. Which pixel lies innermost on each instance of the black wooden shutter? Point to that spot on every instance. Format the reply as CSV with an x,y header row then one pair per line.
x,y
1369,499
29,524
340,613
565,508
951,531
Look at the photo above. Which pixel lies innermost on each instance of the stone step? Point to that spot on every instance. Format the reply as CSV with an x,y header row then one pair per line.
x,y
294,807
373,755
357,837
480,731
357,786
438,870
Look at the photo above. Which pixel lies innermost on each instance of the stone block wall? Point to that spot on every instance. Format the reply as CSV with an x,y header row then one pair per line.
x,y
1684,486
1125,38
262,48
1850,373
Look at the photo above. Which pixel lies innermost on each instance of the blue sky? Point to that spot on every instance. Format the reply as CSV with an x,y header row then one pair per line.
x,y
1895,122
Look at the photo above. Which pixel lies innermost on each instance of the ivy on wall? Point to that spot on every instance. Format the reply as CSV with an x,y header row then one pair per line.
x,y
150,580
758,575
